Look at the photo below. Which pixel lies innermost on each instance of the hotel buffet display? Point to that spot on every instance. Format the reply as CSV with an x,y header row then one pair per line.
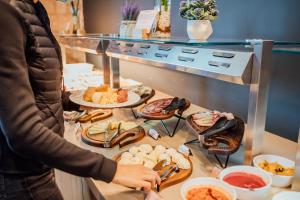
x,y
219,133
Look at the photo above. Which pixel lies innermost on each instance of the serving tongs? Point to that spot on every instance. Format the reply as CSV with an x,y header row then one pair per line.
x,y
221,125
223,138
74,116
108,141
110,138
165,175
180,105
177,104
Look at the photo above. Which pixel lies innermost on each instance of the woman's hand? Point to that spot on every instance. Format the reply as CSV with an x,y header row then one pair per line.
x,y
136,176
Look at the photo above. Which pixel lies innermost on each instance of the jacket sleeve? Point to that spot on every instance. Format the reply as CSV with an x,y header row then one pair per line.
x,y
68,105
20,122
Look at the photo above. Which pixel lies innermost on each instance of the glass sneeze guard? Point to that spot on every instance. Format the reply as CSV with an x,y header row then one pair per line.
x,y
261,49
287,47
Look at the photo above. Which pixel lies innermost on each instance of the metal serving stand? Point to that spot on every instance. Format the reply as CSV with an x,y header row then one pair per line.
x,y
238,67
249,66
93,44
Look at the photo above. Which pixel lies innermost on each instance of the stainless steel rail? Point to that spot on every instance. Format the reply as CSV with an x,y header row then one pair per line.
x,y
89,44
237,67
230,66
296,182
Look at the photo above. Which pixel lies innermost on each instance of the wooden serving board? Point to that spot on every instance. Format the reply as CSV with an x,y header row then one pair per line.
x,y
195,128
223,143
96,115
175,178
156,116
125,138
144,99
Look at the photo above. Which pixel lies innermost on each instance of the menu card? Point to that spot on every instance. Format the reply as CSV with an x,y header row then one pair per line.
x,y
146,22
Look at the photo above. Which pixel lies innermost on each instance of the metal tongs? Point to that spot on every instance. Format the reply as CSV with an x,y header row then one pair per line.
x,y
164,176
107,143
221,125
175,104
75,116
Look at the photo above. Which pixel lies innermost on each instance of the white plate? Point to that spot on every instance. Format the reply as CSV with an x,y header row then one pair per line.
x,y
287,196
77,97
203,181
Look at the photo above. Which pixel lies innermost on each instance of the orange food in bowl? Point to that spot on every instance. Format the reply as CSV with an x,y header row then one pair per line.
x,y
207,193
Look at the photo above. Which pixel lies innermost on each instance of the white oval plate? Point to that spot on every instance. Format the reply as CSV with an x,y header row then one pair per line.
x,y
77,97
287,196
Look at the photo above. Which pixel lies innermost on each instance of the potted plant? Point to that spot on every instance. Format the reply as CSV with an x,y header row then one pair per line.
x,y
200,14
130,12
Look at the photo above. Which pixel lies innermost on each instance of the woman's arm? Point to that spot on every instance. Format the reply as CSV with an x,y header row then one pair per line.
x,y
20,122
24,130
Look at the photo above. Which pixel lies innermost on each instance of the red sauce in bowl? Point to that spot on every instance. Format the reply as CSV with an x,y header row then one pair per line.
x,y
244,180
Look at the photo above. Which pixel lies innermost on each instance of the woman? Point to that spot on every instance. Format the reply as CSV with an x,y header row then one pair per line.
x,y
31,120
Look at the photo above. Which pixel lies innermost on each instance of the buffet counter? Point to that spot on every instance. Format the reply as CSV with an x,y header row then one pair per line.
x,y
204,165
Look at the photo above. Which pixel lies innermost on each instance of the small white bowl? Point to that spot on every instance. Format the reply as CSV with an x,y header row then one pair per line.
x,y
206,182
287,196
277,180
247,194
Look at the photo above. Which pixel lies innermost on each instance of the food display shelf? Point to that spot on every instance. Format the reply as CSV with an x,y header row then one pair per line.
x,y
204,165
248,64
90,44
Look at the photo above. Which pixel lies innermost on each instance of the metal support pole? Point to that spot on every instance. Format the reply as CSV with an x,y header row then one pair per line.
x,y
106,69
63,54
114,72
259,89
101,50
296,182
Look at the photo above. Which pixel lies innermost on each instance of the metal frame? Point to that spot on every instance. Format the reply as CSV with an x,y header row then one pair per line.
x,y
259,80
258,97
259,86
167,130
296,182
238,73
92,45
196,141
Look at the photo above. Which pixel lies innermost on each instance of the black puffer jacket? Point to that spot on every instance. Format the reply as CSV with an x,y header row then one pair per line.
x,y
31,120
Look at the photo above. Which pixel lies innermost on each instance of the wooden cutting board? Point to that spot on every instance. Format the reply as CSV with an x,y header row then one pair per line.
x,y
157,116
144,99
96,115
223,143
175,178
125,138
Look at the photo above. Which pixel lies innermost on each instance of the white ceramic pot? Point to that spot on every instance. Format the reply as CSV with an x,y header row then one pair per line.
x,y
203,181
287,196
127,28
199,29
249,194
277,180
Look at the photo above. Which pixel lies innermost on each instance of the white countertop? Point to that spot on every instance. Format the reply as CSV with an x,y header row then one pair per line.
x,y
203,164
